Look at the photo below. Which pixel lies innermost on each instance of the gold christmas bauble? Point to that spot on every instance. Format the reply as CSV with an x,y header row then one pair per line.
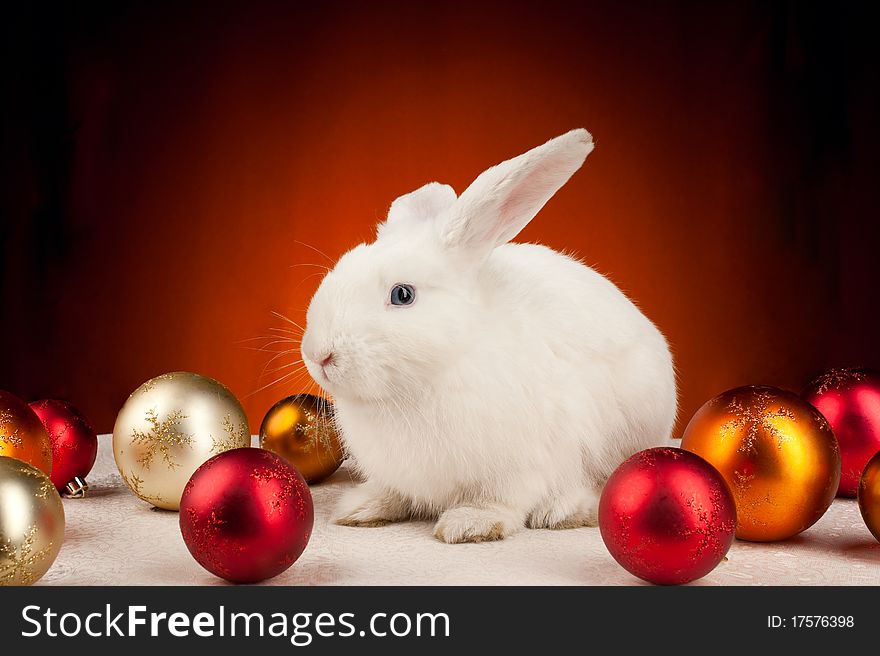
x,y
31,522
301,429
777,453
22,434
168,427
869,495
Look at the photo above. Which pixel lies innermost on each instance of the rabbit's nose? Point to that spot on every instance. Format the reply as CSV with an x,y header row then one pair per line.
x,y
327,359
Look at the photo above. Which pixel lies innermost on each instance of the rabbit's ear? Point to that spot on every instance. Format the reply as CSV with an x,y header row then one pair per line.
x,y
503,199
423,204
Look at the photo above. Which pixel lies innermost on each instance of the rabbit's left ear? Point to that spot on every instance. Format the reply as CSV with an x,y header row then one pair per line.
x,y
503,199
423,204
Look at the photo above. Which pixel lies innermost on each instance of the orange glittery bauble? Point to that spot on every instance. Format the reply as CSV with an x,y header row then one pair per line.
x,y
777,453
301,430
22,434
869,495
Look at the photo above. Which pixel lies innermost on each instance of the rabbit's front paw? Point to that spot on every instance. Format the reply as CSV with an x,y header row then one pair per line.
x,y
472,524
575,510
368,506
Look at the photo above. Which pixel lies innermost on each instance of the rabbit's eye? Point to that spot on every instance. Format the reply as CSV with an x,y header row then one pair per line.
x,y
402,294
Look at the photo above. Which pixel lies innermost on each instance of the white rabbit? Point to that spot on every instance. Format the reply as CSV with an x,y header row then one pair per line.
x,y
490,384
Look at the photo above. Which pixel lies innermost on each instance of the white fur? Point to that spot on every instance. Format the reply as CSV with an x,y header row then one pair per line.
x,y
513,386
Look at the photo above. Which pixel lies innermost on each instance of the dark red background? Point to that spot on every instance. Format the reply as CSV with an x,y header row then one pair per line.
x,y
159,162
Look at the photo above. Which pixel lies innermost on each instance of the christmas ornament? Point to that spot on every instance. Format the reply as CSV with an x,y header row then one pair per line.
x,y
777,454
74,443
168,427
246,515
667,516
22,434
850,401
869,495
31,522
301,429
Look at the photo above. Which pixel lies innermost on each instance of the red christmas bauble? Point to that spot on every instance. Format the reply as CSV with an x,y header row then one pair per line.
x,y
246,515
850,401
667,516
74,441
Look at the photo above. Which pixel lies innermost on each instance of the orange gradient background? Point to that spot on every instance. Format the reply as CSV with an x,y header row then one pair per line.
x,y
162,164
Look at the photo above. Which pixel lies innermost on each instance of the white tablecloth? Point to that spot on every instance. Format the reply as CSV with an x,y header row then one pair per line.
x,y
113,538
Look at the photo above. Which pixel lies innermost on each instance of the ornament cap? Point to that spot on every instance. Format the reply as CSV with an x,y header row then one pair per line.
x,y
75,489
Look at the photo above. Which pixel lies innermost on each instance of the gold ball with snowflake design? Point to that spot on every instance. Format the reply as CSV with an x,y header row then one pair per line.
x,y
31,522
168,427
777,453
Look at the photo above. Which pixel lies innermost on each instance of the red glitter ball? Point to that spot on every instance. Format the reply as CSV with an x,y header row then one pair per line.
x,y
667,516
74,441
850,401
246,515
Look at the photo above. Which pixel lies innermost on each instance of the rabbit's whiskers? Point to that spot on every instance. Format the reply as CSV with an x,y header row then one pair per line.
x,y
275,382
317,250
288,320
